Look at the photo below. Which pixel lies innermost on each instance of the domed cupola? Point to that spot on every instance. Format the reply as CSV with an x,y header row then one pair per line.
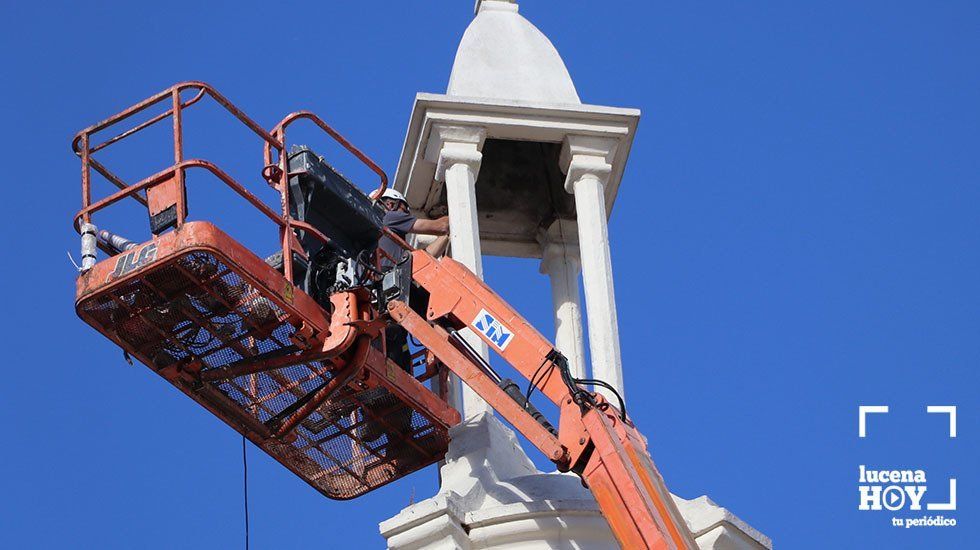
x,y
503,56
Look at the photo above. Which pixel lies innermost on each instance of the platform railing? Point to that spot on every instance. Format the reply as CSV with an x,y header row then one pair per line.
x,y
275,171
272,175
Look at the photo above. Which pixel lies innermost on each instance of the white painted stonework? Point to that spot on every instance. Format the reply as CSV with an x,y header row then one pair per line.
x,y
503,56
716,528
492,497
455,150
585,160
560,262
510,86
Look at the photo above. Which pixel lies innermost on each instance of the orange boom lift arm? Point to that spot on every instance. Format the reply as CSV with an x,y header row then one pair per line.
x,y
292,353
594,439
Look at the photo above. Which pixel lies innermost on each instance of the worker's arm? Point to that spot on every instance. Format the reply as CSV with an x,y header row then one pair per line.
x,y
438,226
437,248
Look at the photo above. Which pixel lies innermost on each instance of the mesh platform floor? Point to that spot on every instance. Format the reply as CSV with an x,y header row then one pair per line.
x,y
194,309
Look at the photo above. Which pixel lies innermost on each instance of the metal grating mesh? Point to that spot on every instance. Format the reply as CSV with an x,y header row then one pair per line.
x,y
195,309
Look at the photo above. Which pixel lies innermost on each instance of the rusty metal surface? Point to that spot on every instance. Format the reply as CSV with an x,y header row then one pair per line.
x,y
193,304
234,335
165,189
299,115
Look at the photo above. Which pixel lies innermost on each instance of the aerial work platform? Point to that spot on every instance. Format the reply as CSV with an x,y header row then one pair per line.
x,y
291,350
230,332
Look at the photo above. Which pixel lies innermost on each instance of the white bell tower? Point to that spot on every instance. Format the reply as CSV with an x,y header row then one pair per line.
x,y
525,170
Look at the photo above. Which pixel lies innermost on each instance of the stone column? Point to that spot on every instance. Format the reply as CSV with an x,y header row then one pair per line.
x,y
586,163
456,151
560,261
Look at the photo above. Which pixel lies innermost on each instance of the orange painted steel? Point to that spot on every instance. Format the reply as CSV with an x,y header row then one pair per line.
x,y
311,385
298,115
606,450
279,131
437,340
169,184
305,385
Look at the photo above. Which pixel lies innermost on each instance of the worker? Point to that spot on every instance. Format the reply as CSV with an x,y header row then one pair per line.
x,y
400,220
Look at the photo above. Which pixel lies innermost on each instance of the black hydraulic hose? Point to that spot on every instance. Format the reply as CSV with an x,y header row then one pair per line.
x,y
506,384
601,383
514,391
580,396
555,357
475,356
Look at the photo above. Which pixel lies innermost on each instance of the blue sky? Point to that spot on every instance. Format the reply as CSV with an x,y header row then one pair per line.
x,y
796,235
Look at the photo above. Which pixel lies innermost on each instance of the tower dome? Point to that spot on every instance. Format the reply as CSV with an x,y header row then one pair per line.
x,y
503,56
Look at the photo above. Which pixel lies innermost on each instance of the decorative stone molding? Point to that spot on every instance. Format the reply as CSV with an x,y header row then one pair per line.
x,y
586,167
553,254
455,150
587,156
587,145
504,120
441,134
586,162
454,154
492,496
449,145
716,528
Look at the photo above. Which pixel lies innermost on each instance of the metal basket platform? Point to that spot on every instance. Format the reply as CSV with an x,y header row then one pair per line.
x,y
212,318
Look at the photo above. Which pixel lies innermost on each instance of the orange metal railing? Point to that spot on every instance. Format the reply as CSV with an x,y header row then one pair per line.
x,y
275,171
272,174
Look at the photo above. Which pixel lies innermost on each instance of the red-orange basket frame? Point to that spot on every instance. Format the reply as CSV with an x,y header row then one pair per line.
x,y
233,333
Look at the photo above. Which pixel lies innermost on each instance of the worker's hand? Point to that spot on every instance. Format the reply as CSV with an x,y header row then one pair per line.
x,y
438,247
439,226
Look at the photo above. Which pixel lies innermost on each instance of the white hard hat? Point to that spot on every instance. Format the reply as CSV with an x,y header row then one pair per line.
x,y
394,195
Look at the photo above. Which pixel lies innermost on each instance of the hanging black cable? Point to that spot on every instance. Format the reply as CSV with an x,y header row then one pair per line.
x,y
534,378
245,480
579,395
601,383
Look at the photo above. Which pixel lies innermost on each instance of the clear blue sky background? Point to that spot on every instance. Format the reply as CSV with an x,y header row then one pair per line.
x,y
796,234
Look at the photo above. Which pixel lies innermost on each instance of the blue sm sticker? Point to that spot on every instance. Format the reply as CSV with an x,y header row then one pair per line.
x,y
493,329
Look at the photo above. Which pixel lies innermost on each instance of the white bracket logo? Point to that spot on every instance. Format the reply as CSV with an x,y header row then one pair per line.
x,y
945,409
863,411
